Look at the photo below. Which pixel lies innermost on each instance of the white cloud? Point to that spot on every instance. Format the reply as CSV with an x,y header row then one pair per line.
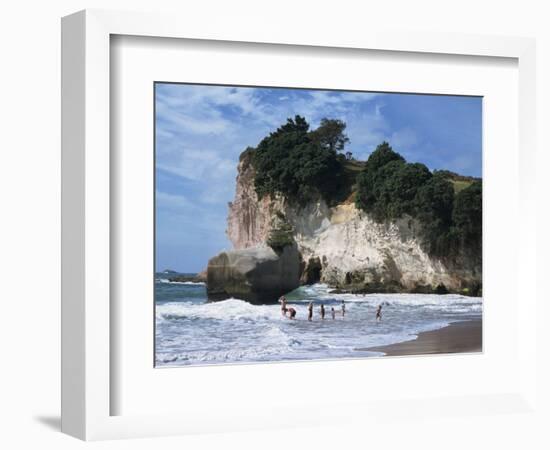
x,y
172,201
367,129
210,123
197,109
201,130
339,99
403,140
189,96
198,165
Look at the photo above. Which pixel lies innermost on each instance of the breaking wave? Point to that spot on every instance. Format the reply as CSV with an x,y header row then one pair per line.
x,y
191,330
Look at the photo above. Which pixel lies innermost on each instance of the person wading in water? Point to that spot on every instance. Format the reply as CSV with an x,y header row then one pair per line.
x,y
310,311
322,311
379,313
284,309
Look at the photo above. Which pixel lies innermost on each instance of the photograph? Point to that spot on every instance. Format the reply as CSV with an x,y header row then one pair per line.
x,y
297,224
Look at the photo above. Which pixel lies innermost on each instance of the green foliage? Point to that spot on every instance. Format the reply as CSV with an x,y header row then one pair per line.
x,y
303,165
330,135
434,208
467,215
459,181
399,190
281,234
389,187
382,163
382,156
453,176
297,163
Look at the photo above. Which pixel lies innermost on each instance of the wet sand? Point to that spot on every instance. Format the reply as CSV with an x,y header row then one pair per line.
x,y
460,337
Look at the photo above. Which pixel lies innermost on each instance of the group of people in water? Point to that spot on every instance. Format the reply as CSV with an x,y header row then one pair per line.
x,y
290,312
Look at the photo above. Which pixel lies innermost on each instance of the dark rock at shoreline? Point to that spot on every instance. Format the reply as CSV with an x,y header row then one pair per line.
x,y
199,278
370,288
395,288
258,275
311,271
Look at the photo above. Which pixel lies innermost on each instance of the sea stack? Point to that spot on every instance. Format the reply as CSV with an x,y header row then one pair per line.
x,y
336,244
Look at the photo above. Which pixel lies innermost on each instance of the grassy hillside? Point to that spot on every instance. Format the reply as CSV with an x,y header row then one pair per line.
x,y
460,182
352,168
459,185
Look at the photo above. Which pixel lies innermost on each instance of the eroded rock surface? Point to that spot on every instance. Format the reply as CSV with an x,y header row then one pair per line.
x,y
258,275
343,247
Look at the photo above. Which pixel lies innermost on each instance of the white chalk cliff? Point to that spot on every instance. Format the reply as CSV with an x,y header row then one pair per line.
x,y
342,246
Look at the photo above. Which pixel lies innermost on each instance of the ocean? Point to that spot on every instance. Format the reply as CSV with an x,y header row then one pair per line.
x,y
192,331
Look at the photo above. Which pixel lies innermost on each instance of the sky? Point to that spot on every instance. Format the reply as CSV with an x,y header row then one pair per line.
x,y
201,131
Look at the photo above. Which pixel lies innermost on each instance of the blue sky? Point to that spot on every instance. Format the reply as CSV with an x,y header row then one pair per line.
x,y
201,130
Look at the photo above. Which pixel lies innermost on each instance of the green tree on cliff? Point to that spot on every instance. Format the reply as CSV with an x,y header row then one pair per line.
x,y
434,208
389,187
304,165
467,215
297,163
330,135
398,192
380,166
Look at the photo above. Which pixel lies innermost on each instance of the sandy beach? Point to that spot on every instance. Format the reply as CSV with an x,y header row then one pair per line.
x,y
460,337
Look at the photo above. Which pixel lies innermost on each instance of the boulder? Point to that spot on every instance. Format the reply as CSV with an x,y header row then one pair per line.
x,y
258,275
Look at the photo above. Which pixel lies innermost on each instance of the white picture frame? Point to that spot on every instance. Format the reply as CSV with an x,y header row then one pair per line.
x,y
87,325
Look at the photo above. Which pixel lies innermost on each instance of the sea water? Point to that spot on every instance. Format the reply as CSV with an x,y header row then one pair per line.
x,y
191,330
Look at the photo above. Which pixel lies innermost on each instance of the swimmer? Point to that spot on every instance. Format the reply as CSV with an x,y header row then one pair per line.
x,y
379,313
291,313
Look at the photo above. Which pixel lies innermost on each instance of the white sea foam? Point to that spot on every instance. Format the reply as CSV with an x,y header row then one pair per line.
x,y
192,331
189,283
231,309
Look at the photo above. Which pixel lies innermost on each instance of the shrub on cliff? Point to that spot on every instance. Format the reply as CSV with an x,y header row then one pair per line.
x,y
383,154
330,135
467,215
281,234
389,187
399,191
381,165
434,208
300,164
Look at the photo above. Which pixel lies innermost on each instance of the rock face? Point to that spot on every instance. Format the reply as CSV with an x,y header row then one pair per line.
x,y
342,246
356,253
249,219
258,275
